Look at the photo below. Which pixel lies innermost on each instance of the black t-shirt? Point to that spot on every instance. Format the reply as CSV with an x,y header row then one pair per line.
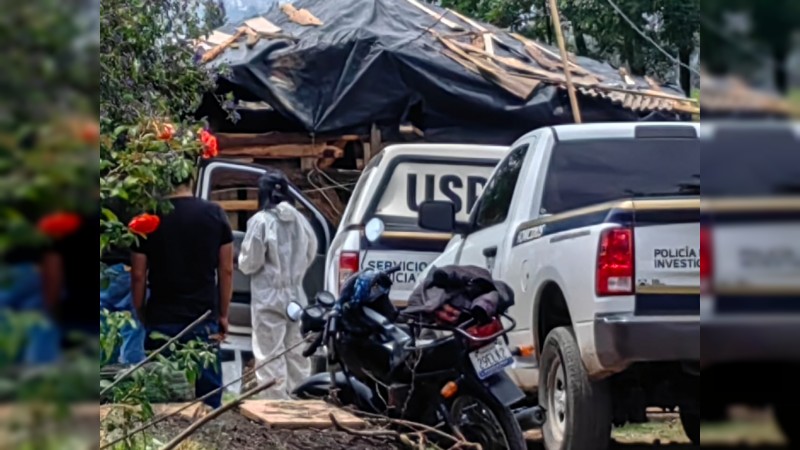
x,y
182,258
78,308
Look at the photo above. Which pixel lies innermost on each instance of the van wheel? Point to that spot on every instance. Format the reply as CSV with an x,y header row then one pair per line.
x,y
578,410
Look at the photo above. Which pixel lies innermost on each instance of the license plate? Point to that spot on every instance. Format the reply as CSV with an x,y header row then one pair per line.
x,y
491,359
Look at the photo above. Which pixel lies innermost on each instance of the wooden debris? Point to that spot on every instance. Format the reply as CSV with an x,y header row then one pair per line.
x,y
217,38
654,85
237,205
321,150
447,22
231,140
300,16
514,84
487,38
298,414
252,37
541,51
623,72
216,51
262,25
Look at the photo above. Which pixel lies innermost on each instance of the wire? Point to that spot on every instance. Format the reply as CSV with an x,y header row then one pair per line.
x,y
649,39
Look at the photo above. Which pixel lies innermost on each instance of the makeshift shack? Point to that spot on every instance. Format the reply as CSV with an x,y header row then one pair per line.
x,y
318,87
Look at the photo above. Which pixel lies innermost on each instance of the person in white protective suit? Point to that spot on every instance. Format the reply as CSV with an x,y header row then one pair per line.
x,y
277,250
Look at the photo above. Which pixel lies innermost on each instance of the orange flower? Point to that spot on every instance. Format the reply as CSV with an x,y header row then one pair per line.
x,y
90,133
166,131
210,145
144,224
59,224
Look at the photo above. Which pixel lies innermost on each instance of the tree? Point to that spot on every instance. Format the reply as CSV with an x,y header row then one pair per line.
x,y
151,84
765,42
598,31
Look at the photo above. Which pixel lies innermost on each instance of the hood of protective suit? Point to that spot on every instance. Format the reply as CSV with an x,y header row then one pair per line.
x,y
286,212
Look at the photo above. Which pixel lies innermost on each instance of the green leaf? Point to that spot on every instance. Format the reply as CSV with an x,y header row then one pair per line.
x,y
109,215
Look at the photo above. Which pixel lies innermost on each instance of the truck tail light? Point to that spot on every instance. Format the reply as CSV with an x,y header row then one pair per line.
x,y
706,259
615,262
348,265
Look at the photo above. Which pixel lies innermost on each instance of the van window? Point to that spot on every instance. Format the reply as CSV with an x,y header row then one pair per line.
x,y
414,181
496,200
589,172
236,191
355,196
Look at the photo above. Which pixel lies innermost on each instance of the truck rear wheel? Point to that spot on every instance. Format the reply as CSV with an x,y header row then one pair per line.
x,y
578,410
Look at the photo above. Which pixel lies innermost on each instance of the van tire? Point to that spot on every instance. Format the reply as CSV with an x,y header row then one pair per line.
x,y
578,410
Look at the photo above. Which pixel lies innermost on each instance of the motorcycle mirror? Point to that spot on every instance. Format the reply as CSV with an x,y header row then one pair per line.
x,y
374,229
325,298
294,311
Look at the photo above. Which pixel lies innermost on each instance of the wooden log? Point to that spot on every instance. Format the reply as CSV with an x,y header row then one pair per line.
x,y
286,151
238,205
216,51
300,16
228,140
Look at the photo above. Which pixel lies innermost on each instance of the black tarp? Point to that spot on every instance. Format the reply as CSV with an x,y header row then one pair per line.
x,y
374,61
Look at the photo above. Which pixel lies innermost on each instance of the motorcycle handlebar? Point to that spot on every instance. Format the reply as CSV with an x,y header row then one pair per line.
x,y
313,346
392,270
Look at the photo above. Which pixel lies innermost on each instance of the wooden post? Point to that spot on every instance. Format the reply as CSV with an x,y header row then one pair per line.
x,y
573,98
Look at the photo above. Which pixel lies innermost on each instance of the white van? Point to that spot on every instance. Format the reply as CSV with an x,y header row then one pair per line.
x,y
391,188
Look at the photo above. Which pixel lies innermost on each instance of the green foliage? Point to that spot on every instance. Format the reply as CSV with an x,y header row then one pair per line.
x,y
597,31
767,42
151,83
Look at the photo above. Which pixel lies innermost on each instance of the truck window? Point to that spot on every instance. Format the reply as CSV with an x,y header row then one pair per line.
x,y
415,180
757,162
588,172
496,200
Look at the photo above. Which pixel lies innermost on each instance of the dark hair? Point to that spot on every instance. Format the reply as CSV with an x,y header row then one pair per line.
x,y
273,188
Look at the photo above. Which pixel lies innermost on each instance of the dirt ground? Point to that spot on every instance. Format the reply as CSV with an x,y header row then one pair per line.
x,y
235,432
232,431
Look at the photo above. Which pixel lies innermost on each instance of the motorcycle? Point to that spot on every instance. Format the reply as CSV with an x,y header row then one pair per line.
x,y
377,363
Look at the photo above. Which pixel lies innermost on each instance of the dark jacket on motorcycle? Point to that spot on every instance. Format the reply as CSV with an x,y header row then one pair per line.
x,y
467,288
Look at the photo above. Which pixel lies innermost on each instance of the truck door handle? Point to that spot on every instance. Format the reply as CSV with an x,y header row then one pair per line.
x,y
490,252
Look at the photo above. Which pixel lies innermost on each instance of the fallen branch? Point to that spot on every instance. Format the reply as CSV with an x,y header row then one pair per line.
x,y
214,414
404,438
152,355
363,433
160,419
459,442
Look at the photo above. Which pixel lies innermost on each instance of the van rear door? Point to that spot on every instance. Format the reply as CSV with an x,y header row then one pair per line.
x,y
408,182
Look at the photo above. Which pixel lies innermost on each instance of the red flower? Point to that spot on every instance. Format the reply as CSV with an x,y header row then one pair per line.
x,y
144,224
59,225
166,131
90,133
210,145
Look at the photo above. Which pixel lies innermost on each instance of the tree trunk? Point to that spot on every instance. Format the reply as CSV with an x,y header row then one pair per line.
x,y
580,41
685,57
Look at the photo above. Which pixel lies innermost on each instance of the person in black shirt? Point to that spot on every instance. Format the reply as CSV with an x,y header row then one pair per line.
x,y
188,262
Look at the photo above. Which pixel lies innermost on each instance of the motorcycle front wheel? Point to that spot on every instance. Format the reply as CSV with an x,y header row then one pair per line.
x,y
483,420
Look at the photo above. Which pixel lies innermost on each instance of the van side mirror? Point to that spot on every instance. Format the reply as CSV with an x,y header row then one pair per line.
x,y
437,216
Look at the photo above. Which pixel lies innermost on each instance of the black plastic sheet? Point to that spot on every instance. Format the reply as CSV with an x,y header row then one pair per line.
x,y
376,61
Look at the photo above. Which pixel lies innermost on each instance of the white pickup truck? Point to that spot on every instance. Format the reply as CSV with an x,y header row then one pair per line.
x,y
596,228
